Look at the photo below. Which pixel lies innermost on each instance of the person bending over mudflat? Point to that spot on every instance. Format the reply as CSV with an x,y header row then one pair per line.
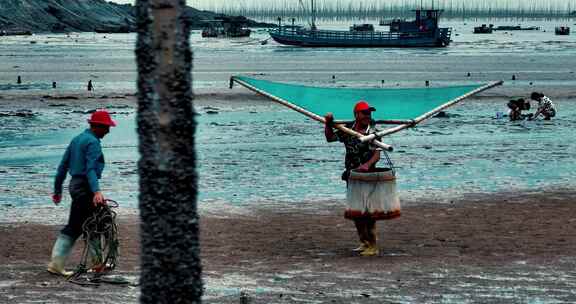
x,y
516,107
545,106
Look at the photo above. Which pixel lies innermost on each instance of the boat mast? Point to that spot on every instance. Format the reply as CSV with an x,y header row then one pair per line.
x,y
313,15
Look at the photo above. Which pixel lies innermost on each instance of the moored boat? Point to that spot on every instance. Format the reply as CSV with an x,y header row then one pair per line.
x,y
484,29
223,26
562,30
15,33
423,31
516,28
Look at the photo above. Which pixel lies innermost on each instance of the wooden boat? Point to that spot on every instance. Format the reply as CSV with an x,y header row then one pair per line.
x,y
516,28
15,33
421,32
114,30
230,27
562,30
484,29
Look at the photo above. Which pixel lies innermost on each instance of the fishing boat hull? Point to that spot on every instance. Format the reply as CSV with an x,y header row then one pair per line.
x,y
484,29
323,38
562,30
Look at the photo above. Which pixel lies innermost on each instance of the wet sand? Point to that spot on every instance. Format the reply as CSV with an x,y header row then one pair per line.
x,y
509,247
43,100
495,248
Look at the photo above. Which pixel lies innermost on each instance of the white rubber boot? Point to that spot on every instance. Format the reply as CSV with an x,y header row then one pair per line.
x,y
362,247
60,252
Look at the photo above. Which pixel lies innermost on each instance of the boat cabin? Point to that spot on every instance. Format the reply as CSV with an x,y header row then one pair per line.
x,y
362,28
426,20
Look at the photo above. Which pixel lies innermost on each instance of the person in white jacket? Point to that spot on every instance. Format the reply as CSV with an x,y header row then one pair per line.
x,y
545,106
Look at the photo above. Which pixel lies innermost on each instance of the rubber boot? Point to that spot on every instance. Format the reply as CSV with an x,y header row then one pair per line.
x,y
95,251
362,247
361,229
372,239
60,252
371,250
372,234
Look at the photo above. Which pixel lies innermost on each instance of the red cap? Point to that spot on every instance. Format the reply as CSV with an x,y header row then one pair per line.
x,y
362,106
102,117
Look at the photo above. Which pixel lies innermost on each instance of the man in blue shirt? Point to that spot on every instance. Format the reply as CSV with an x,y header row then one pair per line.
x,y
84,161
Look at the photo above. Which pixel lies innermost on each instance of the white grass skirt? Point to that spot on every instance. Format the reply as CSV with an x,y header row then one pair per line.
x,y
372,194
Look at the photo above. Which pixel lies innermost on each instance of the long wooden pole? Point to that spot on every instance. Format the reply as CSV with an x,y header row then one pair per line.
x,y
429,114
309,114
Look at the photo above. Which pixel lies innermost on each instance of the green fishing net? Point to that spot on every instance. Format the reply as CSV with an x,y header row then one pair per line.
x,y
390,103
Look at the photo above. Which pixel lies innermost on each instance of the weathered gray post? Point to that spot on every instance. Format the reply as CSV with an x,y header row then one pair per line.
x,y
171,270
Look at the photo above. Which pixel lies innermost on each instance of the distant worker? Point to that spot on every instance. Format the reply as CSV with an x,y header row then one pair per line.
x,y
516,107
360,156
90,86
545,106
84,161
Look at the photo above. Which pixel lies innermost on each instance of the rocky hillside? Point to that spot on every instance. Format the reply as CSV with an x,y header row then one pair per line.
x,y
77,15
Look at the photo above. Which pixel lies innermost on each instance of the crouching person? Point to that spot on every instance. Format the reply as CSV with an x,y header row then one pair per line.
x,y
545,106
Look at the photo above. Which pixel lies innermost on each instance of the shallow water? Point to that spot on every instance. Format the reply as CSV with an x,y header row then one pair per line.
x,y
265,153
268,154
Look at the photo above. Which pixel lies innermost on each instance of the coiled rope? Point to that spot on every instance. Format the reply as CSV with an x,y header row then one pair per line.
x,y
100,235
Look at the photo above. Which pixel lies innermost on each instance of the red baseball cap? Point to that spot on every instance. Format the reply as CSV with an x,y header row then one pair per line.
x,y
102,117
362,106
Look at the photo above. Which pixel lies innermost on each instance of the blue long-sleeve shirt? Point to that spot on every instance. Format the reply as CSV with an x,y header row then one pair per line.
x,y
83,158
